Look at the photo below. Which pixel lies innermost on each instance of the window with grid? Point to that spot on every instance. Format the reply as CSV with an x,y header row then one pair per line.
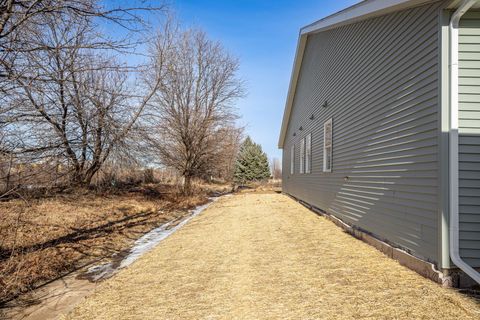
x,y
292,159
327,146
302,156
308,153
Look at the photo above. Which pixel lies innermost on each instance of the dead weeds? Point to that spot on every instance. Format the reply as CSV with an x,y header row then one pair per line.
x,y
43,239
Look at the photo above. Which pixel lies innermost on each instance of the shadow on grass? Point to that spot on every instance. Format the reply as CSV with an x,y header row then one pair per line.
x,y
80,234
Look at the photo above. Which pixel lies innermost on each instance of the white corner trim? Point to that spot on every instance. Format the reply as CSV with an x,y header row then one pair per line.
x,y
453,134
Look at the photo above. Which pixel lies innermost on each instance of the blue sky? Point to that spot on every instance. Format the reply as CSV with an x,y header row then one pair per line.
x,y
263,35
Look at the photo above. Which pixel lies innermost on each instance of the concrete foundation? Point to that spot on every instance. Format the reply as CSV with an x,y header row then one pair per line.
x,y
447,277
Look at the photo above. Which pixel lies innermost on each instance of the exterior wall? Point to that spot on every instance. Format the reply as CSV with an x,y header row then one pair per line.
x,y
379,79
469,138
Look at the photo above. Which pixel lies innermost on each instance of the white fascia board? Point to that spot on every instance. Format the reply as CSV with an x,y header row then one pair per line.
x,y
361,11
302,40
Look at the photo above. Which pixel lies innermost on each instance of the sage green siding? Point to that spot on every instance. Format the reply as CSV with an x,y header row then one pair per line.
x,y
469,138
380,80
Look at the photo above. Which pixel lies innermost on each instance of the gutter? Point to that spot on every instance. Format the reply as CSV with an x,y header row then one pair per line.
x,y
453,133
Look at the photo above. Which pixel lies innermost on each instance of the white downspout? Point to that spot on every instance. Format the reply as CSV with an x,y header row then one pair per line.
x,y
454,185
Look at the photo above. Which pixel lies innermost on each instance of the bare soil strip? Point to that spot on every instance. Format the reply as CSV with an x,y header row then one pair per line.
x,y
264,256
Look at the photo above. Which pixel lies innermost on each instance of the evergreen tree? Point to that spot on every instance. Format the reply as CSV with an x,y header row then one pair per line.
x,y
252,163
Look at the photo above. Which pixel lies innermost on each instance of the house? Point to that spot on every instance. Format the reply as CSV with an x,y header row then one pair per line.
x,y
381,129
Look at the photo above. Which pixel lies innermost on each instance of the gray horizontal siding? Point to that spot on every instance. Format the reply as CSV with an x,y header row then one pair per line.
x,y
380,80
469,141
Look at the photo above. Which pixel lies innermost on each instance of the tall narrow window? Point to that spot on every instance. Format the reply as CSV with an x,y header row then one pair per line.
x,y
292,160
308,153
302,156
327,146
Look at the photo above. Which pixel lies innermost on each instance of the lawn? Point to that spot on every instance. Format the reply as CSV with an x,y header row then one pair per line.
x,y
264,256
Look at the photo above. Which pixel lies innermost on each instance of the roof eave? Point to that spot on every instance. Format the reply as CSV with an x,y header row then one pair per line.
x,y
358,12
302,40
361,11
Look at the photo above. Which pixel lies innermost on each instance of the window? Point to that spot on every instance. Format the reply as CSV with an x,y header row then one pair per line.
x,y
308,153
327,146
292,160
302,156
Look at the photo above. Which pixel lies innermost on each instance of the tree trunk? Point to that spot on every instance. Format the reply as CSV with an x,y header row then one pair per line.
x,y
82,178
9,172
187,185
77,178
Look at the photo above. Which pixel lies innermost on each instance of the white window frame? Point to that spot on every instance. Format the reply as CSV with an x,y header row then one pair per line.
x,y
302,156
292,159
327,145
308,153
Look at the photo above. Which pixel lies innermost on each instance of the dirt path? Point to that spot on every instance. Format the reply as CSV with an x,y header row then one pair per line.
x,y
264,256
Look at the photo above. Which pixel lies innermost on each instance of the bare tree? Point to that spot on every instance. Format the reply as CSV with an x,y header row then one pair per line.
x,y
19,17
221,162
194,102
74,104
58,84
276,168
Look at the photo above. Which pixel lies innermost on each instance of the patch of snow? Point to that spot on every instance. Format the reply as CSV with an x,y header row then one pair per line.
x,y
141,246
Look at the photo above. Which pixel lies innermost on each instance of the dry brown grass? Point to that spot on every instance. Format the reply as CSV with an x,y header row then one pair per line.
x,y
261,187
43,239
264,256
